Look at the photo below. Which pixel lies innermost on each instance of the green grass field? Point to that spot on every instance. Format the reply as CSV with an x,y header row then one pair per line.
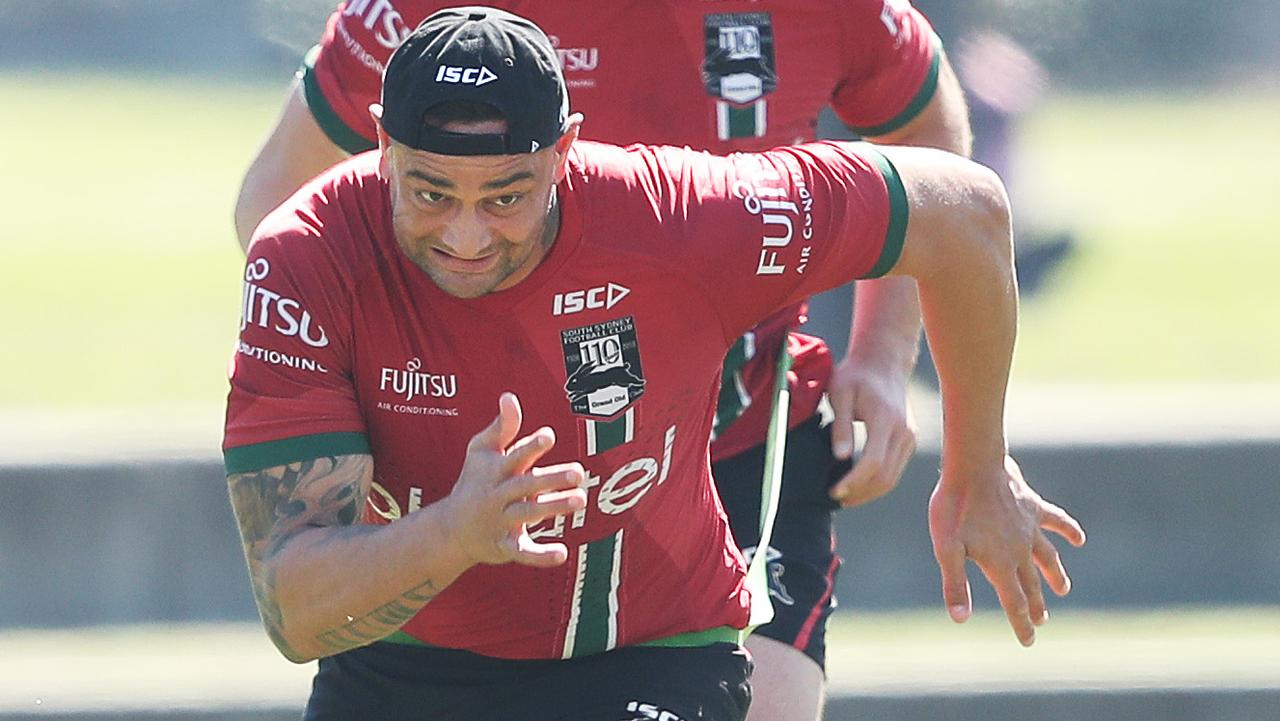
x,y
120,280
919,651
1174,202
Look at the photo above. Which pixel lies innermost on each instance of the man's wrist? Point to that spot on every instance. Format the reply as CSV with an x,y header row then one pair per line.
x,y
449,552
881,359
963,465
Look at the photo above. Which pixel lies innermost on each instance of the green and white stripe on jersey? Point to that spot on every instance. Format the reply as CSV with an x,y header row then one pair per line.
x,y
770,490
605,435
593,619
734,398
741,121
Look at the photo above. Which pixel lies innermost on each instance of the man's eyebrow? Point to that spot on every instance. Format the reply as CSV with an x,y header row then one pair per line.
x,y
504,182
436,181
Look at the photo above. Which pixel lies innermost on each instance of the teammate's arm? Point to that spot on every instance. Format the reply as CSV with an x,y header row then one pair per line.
x,y
296,151
870,383
325,583
959,248
943,123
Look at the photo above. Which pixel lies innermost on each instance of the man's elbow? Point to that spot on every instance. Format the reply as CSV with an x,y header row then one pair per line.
x,y
271,609
247,214
992,214
291,654
287,647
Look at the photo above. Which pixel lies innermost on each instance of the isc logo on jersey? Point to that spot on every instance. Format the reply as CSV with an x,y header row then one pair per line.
x,y
465,76
601,296
650,712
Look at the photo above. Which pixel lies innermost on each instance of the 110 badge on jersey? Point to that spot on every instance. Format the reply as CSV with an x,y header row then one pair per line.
x,y
739,68
603,366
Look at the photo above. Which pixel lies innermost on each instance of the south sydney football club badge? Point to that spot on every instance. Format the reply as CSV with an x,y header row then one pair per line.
x,y
739,70
604,380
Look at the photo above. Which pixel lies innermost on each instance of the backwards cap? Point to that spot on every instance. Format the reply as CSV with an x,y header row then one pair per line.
x,y
482,55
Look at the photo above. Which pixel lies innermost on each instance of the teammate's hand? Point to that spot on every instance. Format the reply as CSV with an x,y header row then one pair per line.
x,y
999,522
500,493
878,399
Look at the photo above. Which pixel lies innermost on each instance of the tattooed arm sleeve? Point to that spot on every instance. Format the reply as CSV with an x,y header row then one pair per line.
x,y
325,583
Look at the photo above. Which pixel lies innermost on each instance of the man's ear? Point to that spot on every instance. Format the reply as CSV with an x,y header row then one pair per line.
x,y
565,141
384,140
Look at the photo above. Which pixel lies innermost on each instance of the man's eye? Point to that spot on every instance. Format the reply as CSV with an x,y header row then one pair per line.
x,y
506,201
431,196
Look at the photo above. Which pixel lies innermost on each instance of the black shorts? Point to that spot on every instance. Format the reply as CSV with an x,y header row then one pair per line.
x,y
802,558
395,682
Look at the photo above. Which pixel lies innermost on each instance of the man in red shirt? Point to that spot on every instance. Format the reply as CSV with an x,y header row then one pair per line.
x,y
391,300
721,76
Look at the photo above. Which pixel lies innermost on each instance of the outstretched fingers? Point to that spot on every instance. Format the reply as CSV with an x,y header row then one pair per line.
x,y
1050,564
1056,519
544,493
524,550
503,429
525,452
1029,577
1013,599
955,583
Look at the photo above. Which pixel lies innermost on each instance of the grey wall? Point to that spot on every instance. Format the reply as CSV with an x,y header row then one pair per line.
x,y
111,544
1166,525
155,542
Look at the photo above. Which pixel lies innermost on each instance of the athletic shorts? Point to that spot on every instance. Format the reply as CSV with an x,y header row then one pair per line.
x,y
802,562
397,682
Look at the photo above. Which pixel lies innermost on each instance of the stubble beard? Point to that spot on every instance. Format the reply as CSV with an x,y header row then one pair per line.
x,y
419,251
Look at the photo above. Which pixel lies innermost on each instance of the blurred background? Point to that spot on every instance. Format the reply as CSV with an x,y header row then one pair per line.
x,y
1140,141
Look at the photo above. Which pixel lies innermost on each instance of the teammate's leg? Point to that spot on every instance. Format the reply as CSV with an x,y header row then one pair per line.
x,y
790,652
786,685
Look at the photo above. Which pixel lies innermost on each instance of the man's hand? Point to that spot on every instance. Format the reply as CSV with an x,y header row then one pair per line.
x,y
999,522
500,493
878,399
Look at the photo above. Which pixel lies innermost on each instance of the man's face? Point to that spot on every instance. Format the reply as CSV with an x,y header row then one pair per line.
x,y
474,224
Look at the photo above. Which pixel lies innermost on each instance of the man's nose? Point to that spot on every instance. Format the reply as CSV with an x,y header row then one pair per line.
x,y
467,235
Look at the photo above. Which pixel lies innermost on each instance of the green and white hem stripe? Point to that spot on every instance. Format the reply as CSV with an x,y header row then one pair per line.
x,y
896,234
325,116
593,619
923,95
606,435
257,456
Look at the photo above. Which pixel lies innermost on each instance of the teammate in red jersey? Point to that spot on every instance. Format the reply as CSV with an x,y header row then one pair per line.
x,y
391,300
721,76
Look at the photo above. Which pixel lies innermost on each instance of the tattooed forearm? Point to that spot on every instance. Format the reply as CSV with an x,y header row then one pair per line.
x,y
379,623
273,505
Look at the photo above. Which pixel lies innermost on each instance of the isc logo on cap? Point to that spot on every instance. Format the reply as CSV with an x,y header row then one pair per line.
x,y
465,76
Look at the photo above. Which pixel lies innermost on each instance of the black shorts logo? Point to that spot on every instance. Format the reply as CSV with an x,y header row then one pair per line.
x,y
603,366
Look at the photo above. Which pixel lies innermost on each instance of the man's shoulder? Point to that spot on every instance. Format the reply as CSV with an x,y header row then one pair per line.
x,y
605,164
331,213
628,186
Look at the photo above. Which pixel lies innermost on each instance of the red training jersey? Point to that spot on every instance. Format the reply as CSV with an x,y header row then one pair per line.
x,y
663,258
722,75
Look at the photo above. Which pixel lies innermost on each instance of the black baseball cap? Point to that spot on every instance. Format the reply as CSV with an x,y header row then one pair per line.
x,y
483,55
